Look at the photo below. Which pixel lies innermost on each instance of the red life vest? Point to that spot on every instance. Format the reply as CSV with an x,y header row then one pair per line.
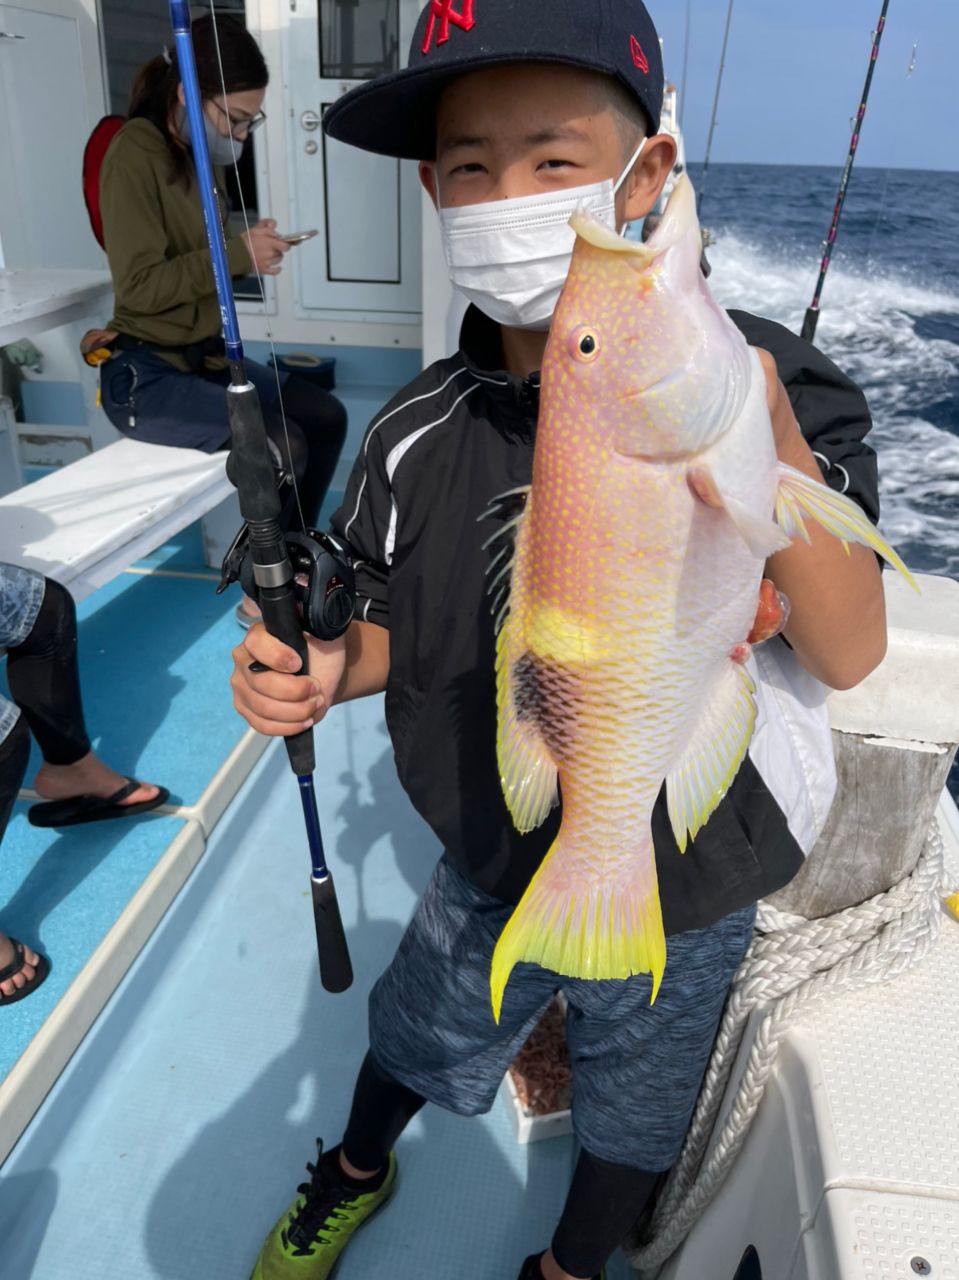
x,y
93,153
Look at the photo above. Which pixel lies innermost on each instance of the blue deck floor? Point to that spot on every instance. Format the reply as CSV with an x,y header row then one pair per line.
x,y
154,657
62,893
181,1126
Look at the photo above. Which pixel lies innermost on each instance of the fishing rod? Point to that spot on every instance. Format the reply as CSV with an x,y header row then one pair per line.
x,y
251,471
712,121
812,311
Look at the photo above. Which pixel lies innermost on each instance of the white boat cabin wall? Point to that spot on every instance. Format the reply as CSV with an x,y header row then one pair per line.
x,y
51,96
358,282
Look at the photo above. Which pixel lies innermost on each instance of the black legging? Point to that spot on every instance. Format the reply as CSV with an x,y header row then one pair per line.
x,y
14,754
604,1199
314,435
44,683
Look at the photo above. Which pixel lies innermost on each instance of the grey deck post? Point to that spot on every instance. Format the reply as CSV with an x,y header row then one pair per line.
x,y
895,737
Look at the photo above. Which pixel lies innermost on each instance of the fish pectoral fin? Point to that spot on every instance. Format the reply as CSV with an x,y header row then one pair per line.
x,y
611,927
702,776
762,536
527,770
799,495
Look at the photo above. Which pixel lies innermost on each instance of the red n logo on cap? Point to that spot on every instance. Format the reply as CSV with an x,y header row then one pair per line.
x,y
443,9
639,58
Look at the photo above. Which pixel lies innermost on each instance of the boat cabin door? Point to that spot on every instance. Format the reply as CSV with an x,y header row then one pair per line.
x,y
51,96
365,261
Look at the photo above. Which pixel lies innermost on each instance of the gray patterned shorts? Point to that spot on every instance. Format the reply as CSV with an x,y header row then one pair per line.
x,y
637,1067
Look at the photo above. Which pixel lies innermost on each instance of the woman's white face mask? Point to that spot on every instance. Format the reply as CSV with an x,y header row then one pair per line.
x,y
223,150
511,257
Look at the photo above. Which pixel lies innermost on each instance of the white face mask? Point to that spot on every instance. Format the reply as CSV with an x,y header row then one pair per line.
x,y
222,150
511,257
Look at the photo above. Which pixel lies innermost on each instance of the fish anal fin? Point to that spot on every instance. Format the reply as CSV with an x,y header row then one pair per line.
x,y
762,536
799,495
607,928
702,775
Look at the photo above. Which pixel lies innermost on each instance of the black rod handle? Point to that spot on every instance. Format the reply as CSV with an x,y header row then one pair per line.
x,y
809,324
336,971
282,620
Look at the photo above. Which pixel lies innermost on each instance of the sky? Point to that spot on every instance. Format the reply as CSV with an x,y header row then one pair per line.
x,y
794,77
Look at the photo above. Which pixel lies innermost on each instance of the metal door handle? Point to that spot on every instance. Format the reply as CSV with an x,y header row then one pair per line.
x,y
10,35
309,120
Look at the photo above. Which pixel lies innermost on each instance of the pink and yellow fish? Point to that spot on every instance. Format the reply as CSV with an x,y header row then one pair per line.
x,y
629,595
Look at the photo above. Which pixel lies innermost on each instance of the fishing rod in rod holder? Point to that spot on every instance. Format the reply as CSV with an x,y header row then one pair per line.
x,y
812,311
251,471
704,177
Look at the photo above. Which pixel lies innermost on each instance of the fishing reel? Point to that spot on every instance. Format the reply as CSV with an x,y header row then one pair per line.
x,y
323,581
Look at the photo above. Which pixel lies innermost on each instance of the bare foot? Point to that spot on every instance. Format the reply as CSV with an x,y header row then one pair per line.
x,y
88,777
26,974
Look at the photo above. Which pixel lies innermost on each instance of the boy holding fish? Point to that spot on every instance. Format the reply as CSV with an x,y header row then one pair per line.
x,y
670,474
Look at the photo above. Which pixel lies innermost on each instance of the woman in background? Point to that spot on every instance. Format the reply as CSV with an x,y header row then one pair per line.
x,y
165,384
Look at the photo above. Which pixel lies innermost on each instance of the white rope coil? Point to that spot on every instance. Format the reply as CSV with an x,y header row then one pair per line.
x,y
791,964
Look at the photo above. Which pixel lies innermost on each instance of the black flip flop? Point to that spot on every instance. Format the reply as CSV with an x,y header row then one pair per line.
x,y
79,809
41,969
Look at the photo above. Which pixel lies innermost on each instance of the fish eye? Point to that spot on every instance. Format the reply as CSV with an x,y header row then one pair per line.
x,y
584,345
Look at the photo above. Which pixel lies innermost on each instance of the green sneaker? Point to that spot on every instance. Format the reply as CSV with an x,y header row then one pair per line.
x,y
306,1242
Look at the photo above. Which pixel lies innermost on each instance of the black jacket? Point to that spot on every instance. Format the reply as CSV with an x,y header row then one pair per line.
x,y
457,436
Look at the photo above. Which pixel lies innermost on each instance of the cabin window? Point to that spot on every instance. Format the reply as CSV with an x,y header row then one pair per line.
x,y
359,39
135,31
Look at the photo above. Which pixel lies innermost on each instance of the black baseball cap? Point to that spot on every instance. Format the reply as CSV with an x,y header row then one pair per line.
x,y
395,114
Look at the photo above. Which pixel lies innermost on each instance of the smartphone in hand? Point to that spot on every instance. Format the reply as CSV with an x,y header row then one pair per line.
x,y
297,237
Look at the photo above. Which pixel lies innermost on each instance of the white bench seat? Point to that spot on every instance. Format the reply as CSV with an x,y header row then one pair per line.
x,y
84,524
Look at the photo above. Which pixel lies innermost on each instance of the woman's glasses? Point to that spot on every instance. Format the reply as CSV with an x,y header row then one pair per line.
x,y
240,129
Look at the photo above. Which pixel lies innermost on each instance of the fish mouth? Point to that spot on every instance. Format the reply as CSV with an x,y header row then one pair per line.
x,y
600,236
661,384
678,217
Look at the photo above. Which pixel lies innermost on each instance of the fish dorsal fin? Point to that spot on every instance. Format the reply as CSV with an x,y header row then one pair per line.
x,y
527,770
702,776
510,506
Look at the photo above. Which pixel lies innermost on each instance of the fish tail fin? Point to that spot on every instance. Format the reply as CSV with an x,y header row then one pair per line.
x,y
800,495
583,927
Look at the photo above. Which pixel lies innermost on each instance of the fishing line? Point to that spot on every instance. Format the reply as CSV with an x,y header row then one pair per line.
x,y
260,282
880,213
682,100
885,176
712,122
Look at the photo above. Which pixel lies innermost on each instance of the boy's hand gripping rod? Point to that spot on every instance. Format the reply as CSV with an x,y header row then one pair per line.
x,y
252,473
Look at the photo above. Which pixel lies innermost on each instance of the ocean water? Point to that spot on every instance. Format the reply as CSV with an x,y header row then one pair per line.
x,y
889,316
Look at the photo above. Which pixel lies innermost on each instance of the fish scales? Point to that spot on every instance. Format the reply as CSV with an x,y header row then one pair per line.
x,y
629,593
